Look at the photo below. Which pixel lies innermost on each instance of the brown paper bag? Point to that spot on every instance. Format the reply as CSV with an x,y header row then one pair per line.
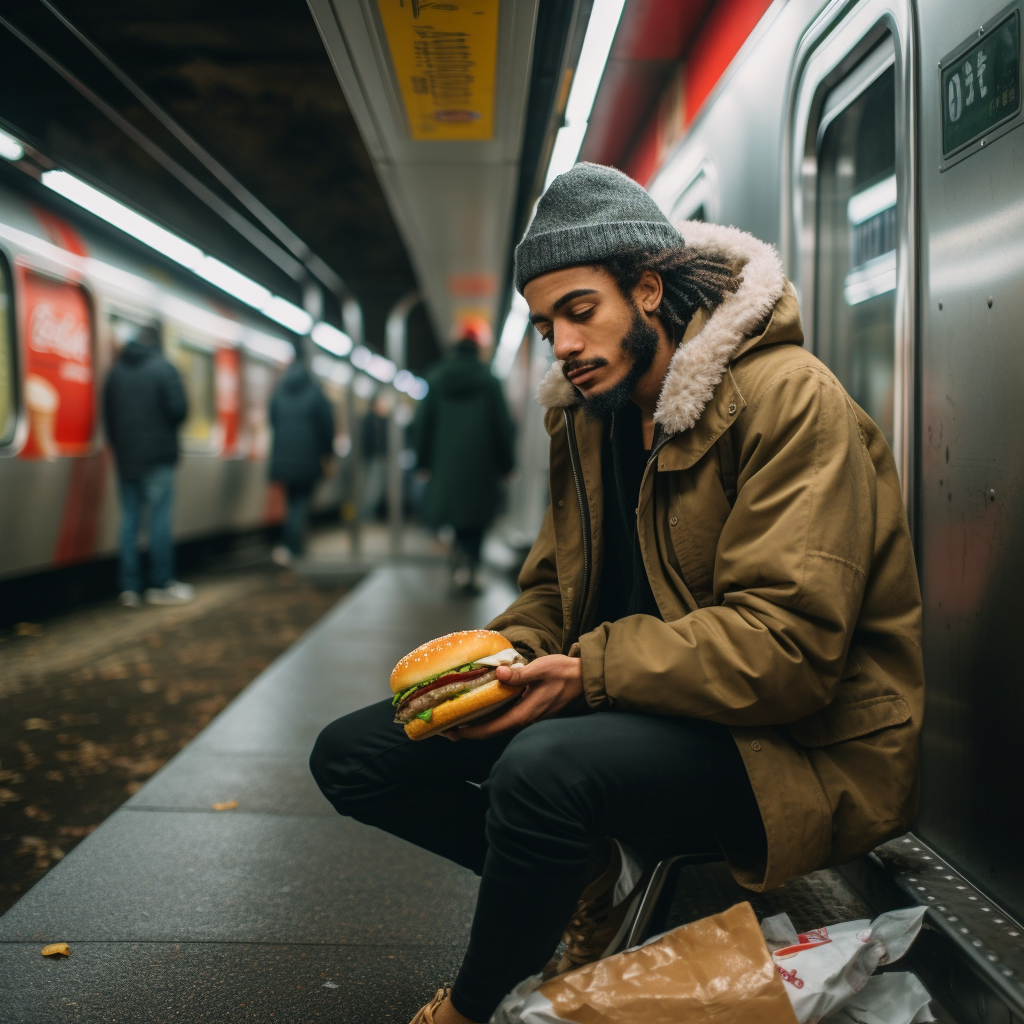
x,y
715,970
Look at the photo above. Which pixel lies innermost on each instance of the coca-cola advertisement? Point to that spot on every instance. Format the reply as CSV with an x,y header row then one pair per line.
x,y
59,393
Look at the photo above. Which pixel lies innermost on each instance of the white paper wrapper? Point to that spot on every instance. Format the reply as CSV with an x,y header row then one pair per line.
x,y
825,978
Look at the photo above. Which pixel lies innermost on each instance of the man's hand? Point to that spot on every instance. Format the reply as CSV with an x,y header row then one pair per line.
x,y
549,684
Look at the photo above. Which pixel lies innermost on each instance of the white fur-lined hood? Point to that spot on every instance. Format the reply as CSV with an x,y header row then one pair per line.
x,y
699,365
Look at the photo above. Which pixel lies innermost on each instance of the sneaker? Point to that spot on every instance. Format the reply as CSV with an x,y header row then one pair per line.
x,y
175,592
602,918
130,599
281,556
425,1015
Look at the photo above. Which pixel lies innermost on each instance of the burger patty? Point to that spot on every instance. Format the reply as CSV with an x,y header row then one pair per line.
x,y
409,709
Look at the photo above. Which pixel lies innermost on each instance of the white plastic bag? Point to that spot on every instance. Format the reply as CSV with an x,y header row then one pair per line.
x,y
824,969
897,998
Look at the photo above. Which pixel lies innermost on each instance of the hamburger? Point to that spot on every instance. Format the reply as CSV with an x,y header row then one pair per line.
x,y
451,680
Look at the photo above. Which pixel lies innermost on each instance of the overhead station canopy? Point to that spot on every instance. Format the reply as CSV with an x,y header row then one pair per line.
x,y
458,105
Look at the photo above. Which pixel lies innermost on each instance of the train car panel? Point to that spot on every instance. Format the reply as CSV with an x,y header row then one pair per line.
x,y
972,308
908,263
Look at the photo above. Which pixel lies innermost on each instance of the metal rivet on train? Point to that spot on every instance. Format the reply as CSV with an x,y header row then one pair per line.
x,y
982,143
990,302
673,520
756,745
732,408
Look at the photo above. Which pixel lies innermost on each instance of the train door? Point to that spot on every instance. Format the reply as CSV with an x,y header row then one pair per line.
x,y
851,188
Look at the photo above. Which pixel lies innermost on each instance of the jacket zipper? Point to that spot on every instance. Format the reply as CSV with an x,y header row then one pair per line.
x,y
581,497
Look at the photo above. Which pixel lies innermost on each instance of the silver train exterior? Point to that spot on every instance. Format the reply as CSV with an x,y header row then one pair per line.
x,y
68,296
835,134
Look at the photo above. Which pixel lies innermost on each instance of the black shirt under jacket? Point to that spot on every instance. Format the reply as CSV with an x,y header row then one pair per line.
x,y
624,586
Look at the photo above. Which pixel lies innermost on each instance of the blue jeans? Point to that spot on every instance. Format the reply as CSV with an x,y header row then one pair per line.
x,y
155,492
299,497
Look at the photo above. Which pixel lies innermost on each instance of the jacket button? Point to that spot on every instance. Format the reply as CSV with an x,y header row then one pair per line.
x,y
561,503
673,520
756,745
732,408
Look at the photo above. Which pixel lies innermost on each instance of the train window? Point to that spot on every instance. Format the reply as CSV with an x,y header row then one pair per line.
x,y
855,320
699,199
59,399
259,379
8,405
196,368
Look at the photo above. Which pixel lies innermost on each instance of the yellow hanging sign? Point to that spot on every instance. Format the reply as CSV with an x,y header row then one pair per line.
x,y
444,55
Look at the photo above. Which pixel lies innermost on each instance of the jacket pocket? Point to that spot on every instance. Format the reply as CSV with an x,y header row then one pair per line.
x,y
840,722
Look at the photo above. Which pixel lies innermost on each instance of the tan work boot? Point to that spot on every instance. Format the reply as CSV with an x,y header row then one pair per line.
x,y
600,921
426,1013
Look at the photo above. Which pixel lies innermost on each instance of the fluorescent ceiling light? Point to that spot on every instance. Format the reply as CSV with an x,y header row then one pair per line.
x,y
10,147
128,221
872,201
331,339
229,280
512,333
410,384
287,314
373,364
604,20
217,273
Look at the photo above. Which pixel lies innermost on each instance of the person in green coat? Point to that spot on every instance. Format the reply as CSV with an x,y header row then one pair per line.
x,y
465,442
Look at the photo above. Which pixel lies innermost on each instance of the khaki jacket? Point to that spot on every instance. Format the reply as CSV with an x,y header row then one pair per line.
x,y
774,535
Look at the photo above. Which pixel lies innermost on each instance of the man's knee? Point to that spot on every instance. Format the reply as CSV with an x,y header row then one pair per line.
x,y
333,767
537,774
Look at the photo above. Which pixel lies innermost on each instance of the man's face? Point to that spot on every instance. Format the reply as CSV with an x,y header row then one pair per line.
x,y
604,340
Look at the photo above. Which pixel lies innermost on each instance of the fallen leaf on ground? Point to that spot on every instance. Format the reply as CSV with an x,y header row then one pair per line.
x,y
228,805
36,723
56,949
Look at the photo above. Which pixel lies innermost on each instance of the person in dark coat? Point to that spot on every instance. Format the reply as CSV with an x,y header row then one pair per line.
x,y
303,424
465,441
143,406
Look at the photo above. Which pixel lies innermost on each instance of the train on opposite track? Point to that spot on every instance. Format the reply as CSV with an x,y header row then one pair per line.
x,y
70,295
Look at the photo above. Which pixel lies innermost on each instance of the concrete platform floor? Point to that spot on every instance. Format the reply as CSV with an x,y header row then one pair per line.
x,y
277,910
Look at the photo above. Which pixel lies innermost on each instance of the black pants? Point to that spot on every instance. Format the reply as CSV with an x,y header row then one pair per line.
x,y
544,794
468,541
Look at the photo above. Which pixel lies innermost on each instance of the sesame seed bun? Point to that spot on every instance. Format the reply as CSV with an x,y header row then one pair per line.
x,y
445,653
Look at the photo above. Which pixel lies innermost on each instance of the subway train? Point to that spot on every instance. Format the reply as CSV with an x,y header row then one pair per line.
x,y
69,296
873,143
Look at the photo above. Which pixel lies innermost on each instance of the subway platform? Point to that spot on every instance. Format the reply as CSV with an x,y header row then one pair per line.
x,y
278,909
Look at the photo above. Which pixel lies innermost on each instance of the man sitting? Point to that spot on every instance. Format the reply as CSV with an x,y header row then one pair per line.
x,y
721,610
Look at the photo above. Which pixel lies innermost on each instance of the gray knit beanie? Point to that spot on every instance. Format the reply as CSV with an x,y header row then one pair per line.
x,y
586,215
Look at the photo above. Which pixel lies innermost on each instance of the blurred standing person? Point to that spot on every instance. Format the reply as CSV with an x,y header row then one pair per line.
x,y
143,405
302,422
464,440
373,443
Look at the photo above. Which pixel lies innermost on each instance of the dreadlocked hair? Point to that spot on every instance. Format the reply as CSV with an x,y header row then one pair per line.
x,y
691,278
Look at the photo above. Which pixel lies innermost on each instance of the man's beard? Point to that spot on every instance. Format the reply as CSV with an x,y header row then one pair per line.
x,y
640,342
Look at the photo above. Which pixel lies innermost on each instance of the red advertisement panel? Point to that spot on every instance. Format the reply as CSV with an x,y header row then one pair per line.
x,y
59,402
226,371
